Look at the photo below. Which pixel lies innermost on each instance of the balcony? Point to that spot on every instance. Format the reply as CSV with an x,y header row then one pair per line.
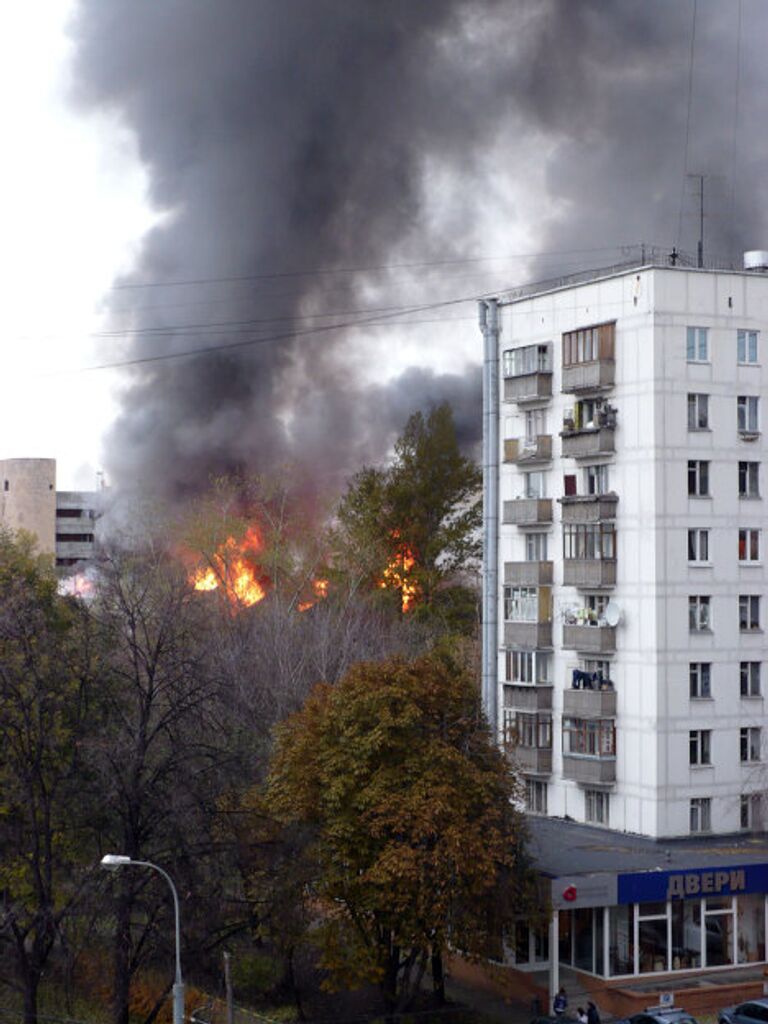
x,y
532,760
589,638
524,697
528,634
589,703
589,572
588,508
591,376
583,768
529,450
588,442
531,574
530,387
528,511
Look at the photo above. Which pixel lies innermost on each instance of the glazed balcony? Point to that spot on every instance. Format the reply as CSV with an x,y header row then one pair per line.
x,y
534,635
528,511
590,703
589,572
591,639
588,442
529,450
529,387
588,508
592,376
525,697
531,574
583,768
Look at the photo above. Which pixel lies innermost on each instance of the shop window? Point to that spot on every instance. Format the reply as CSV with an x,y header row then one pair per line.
x,y
621,945
686,934
750,924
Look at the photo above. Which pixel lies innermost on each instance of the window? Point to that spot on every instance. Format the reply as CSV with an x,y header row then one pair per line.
x,y
535,485
749,678
589,344
698,478
596,805
749,545
535,796
589,540
589,737
529,359
749,612
699,617
697,345
701,814
596,479
698,545
747,414
699,746
69,513
526,730
521,604
536,547
746,345
749,479
528,667
751,812
535,425
698,412
68,538
700,679
749,744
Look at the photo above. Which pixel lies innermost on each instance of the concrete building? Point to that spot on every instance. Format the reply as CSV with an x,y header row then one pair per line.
x,y
624,639
63,521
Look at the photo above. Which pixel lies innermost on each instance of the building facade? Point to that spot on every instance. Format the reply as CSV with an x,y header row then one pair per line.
x,y
630,671
63,522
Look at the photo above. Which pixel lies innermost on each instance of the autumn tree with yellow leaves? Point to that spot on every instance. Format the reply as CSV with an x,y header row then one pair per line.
x,y
412,839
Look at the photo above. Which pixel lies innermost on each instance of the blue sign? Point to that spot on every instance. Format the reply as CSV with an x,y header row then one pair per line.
x,y
660,886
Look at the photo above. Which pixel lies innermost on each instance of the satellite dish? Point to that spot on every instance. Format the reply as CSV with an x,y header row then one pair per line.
x,y
612,613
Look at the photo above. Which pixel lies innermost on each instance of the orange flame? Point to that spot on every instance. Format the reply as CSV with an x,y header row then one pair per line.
x,y
232,569
396,575
320,590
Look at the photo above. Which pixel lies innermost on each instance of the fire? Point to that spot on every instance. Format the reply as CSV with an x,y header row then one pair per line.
x,y
396,575
320,590
233,569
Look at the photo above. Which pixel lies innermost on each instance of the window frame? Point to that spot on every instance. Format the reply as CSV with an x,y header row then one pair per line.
x,y
589,541
749,545
536,796
750,744
536,546
700,546
698,411
748,414
597,807
528,668
749,478
527,360
700,814
699,613
696,342
700,748
593,738
749,613
750,679
698,478
744,339
700,680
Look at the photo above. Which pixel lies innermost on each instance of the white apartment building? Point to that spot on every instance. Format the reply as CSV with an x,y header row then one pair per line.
x,y
629,675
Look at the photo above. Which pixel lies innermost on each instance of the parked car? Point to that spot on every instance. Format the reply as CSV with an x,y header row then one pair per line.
x,y
658,1015
755,1011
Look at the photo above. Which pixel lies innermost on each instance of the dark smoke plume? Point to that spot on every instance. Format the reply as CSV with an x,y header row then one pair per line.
x,y
282,135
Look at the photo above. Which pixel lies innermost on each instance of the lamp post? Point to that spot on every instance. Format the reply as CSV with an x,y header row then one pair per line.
x,y
113,861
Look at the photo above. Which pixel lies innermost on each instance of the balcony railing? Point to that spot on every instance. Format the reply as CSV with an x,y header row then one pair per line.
x,y
588,442
524,451
599,373
588,508
589,703
584,768
528,573
531,635
588,638
589,572
528,388
524,697
533,760
528,511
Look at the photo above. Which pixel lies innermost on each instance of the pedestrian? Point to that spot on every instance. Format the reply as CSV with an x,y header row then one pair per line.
x,y
581,1016
560,1002
593,1017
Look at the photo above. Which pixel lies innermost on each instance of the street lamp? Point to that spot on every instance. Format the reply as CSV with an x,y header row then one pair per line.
x,y
113,861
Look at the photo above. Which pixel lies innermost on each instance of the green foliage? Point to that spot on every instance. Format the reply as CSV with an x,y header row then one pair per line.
x,y
412,835
427,500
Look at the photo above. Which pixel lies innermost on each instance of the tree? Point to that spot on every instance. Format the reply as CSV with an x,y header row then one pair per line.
x,y
424,507
412,834
45,681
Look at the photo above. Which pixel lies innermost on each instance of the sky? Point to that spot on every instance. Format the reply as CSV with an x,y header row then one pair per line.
x,y
250,180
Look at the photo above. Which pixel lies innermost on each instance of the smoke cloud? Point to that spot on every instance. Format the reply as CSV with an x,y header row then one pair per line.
x,y
329,135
